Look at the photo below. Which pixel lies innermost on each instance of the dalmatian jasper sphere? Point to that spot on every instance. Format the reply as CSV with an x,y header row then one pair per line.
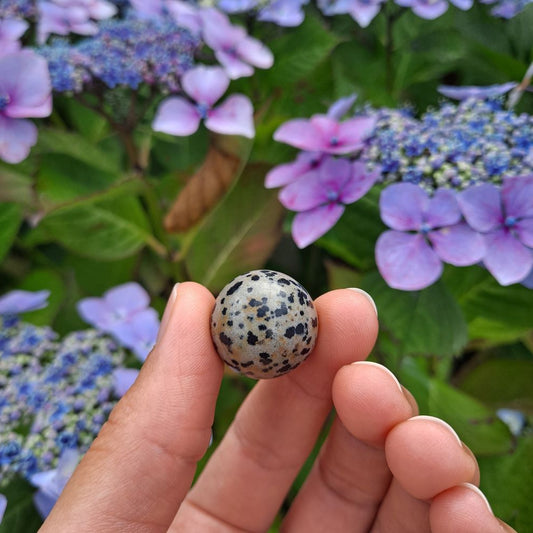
x,y
264,324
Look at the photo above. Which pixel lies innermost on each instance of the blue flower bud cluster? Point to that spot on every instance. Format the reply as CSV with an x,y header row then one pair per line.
x,y
17,9
123,53
454,146
54,394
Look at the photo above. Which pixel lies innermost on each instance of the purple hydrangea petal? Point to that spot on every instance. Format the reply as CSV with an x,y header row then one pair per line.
x,y
139,333
12,29
517,196
308,226
289,172
176,116
406,261
234,116
288,13
299,133
402,206
234,66
255,53
528,280
25,79
353,132
3,505
524,231
17,301
127,298
481,206
443,209
185,15
430,11
338,109
217,29
100,9
364,13
470,91
151,9
123,379
463,4
95,312
507,259
51,483
204,84
318,187
236,6
359,184
17,136
458,245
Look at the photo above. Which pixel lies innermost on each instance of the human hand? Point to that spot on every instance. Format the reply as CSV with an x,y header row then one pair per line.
x,y
381,469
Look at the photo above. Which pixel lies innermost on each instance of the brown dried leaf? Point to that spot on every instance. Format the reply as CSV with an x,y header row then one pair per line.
x,y
204,188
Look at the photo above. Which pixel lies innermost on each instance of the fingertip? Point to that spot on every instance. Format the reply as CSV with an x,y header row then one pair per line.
x,y
464,508
369,401
427,457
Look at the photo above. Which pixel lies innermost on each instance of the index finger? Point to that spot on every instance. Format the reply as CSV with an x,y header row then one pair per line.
x,y
142,463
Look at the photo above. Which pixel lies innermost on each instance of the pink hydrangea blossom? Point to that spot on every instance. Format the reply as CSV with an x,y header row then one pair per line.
x,y
25,92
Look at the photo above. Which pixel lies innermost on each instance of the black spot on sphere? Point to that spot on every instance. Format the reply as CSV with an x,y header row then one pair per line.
x,y
314,322
248,363
262,311
305,351
224,339
234,288
283,369
254,303
251,339
262,327
255,277
289,332
269,334
283,281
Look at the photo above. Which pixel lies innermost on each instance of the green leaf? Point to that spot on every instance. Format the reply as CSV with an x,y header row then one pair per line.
x,y
39,280
476,424
427,322
105,230
354,236
15,187
10,220
340,276
239,234
508,484
21,515
482,298
501,381
63,179
53,141
298,53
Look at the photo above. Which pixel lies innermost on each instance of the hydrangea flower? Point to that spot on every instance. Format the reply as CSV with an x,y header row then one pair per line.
x,y
139,333
16,302
11,30
470,91
431,9
424,232
362,11
184,14
3,505
124,52
52,482
320,197
237,52
286,13
25,92
62,17
205,85
287,173
505,217
17,9
322,133
118,305
123,379
454,146
507,8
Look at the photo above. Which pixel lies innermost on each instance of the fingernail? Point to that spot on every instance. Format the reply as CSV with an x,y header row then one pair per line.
x,y
367,296
479,493
441,422
381,367
167,313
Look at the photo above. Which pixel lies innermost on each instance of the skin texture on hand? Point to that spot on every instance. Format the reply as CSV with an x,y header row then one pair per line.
x,y
382,468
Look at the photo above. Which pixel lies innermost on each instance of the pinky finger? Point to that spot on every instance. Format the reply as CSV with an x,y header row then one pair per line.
x,y
464,509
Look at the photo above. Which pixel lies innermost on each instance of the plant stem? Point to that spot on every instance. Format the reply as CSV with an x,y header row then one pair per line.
x,y
389,50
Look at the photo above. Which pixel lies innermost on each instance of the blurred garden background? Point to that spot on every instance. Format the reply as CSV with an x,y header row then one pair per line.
x,y
386,145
